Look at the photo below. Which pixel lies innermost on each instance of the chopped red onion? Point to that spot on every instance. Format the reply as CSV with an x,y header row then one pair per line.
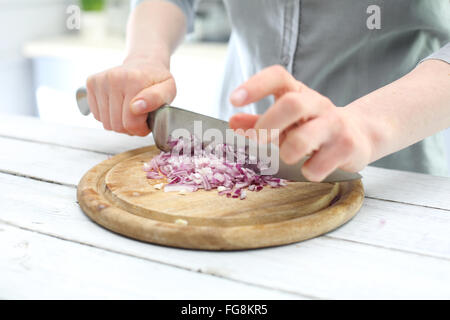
x,y
191,166
154,175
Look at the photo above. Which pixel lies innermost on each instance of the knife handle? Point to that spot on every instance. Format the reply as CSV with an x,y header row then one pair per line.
x,y
82,102
83,106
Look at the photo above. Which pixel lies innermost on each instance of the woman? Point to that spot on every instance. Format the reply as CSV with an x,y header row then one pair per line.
x,y
302,58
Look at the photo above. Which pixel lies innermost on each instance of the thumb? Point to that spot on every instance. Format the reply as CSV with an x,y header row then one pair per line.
x,y
153,97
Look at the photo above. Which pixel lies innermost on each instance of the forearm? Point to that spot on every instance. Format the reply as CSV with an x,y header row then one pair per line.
x,y
405,111
155,28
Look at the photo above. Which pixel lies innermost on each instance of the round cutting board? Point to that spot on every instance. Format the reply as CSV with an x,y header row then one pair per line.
x,y
117,195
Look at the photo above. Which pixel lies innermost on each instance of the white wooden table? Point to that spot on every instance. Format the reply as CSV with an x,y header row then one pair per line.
x,y
398,245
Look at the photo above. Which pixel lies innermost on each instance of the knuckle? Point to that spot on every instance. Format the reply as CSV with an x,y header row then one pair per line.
x,y
301,142
135,80
173,88
133,127
117,126
325,102
296,142
286,78
134,75
106,126
290,103
155,97
115,77
347,142
279,70
142,133
337,124
120,130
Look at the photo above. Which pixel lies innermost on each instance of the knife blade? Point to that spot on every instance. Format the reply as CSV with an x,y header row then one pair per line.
x,y
166,119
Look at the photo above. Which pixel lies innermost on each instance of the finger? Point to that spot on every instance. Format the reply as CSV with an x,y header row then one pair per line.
x,y
133,124
324,162
243,124
115,110
305,139
103,107
291,108
92,101
243,121
273,80
153,97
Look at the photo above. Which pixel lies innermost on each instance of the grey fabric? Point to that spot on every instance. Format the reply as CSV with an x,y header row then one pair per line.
x,y
442,54
328,46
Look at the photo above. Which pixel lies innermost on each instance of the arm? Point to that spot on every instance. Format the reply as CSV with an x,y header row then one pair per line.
x,y
384,121
407,110
122,97
155,28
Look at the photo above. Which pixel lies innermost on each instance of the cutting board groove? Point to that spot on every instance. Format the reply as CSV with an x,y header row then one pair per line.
x,y
117,195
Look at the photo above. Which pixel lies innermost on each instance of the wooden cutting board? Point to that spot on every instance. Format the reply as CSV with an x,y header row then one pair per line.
x,y
117,195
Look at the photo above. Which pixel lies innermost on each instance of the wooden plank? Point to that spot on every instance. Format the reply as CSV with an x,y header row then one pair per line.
x,y
323,267
400,227
407,187
46,162
33,129
392,185
34,266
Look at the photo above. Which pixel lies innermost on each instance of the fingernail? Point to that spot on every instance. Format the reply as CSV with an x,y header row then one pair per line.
x,y
239,96
139,106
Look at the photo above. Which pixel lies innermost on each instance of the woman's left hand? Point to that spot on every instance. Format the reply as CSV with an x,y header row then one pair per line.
x,y
308,122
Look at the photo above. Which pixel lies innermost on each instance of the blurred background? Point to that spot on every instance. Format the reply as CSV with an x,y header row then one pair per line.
x,y
44,57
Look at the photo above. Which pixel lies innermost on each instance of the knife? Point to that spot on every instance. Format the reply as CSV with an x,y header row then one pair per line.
x,y
163,121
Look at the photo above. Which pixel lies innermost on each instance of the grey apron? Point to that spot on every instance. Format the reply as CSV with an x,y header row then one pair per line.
x,y
340,49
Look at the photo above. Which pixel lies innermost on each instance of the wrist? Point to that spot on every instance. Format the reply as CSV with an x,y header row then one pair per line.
x,y
158,54
365,131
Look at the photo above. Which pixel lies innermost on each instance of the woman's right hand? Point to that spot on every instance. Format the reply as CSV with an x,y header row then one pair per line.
x,y
122,97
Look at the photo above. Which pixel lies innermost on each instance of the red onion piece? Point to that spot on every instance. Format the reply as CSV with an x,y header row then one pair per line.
x,y
191,166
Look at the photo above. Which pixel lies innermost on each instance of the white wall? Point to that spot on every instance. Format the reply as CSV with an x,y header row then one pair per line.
x,y
20,21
